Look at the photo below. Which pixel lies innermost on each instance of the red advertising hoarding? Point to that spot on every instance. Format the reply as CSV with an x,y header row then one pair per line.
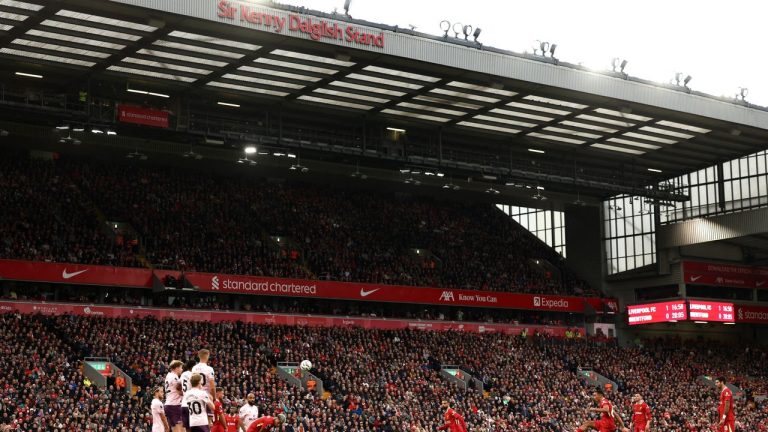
x,y
254,285
728,275
257,285
142,116
700,310
79,274
751,314
649,313
275,319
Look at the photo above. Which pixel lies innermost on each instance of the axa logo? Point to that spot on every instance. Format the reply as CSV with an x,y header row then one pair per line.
x,y
215,283
447,296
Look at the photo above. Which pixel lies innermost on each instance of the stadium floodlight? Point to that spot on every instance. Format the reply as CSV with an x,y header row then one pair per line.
x,y
544,47
743,92
97,131
29,75
654,170
623,65
63,127
457,31
533,150
346,7
687,80
445,26
227,104
78,129
552,49
620,65
394,129
111,133
467,29
250,150
678,77
492,191
476,34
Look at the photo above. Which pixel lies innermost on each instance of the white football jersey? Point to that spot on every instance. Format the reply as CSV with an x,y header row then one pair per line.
x,y
172,395
248,414
207,373
196,401
185,385
157,416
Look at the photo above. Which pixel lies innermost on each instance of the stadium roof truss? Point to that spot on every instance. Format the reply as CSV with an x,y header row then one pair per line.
x,y
187,54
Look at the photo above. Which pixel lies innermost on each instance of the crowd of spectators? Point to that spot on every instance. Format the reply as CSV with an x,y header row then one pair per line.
x,y
380,380
45,217
43,388
237,224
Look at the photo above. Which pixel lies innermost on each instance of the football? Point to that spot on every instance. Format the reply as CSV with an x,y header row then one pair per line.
x,y
306,365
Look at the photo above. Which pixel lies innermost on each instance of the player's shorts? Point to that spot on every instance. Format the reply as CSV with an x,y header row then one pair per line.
x,y
605,426
639,428
185,417
728,426
218,428
173,414
201,428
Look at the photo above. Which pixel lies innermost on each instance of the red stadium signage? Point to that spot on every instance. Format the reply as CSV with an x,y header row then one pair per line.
x,y
649,313
257,285
142,116
727,275
316,28
78,274
699,310
144,278
276,319
751,314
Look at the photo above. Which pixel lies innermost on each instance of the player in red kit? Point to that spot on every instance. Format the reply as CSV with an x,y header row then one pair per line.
x,y
726,419
266,423
641,414
219,423
233,420
608,419
454,422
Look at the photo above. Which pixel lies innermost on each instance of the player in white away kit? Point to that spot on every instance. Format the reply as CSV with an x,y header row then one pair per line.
x,y
202,368
249,412
186,375
199,403
206,372
159,422
173,395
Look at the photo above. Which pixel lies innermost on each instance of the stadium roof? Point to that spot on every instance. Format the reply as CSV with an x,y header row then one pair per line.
x,y
269,53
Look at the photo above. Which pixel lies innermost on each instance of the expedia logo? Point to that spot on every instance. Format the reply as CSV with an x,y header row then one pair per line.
x,y
215,283
447,296
544,302
87,311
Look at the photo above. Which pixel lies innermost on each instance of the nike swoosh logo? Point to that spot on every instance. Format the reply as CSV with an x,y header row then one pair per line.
x,y
66,275
364,293
695,278
760,283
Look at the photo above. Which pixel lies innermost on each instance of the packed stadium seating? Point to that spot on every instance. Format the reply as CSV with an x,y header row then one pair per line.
x,y
204,222
46,218
381,380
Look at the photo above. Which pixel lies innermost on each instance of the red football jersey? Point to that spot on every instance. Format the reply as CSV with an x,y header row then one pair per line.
x,y
641,414
607,416
232,421
726,396
263,424
218,410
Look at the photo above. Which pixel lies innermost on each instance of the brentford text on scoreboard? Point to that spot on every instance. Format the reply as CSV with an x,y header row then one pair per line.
x,y
317,29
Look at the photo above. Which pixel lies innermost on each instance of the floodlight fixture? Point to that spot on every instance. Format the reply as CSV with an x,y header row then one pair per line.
x,y
346,7
477,32
552,49
445,26
457,28
687,80
467,29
